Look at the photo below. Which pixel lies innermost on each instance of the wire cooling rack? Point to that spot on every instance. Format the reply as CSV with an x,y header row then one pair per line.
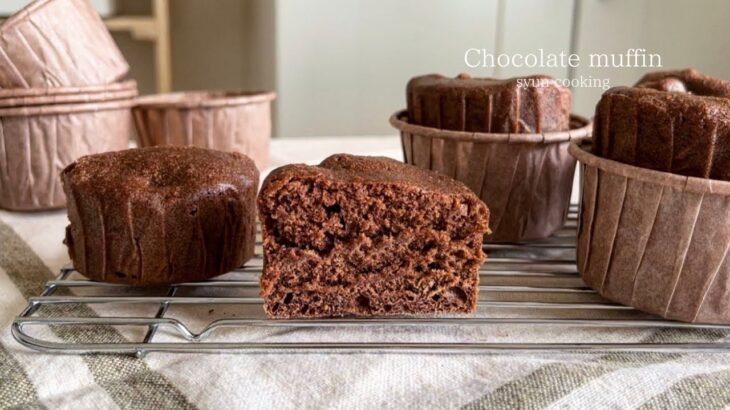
x,y
530,299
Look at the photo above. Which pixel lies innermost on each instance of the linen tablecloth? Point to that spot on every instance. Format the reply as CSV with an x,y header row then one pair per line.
x,y
31,252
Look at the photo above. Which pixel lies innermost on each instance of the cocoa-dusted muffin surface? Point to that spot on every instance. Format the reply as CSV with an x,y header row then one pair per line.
x,y
365,236
160,215
672,131
532,104
688,80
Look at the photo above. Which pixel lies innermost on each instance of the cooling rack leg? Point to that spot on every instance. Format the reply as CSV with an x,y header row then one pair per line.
x,y
48,291
153,328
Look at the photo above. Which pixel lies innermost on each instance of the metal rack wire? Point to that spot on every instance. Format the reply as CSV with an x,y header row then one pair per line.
x,y
531,299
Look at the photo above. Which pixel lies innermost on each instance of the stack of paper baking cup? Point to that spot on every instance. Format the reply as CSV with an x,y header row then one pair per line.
x,y
62,96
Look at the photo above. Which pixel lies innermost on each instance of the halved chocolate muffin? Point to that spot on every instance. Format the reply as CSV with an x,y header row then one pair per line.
x,y
160,215
368,236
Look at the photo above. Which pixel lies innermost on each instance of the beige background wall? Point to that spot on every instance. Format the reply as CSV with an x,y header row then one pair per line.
x,y
215,44
685,33
340,66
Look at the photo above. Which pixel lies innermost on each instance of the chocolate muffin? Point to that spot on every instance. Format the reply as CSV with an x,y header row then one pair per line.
x,y
679,132
657,241
365,236
531,104
160,215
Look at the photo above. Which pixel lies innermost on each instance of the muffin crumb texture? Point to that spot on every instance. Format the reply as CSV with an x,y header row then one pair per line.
x,y
360,236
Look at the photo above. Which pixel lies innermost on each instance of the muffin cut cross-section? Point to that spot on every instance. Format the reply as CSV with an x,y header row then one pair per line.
x,y
367,236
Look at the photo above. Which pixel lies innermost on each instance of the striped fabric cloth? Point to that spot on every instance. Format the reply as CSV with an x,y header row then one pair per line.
x,y
31,253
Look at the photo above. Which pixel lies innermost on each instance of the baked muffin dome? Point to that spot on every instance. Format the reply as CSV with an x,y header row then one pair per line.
x,y
531,104
160,215
688,80
677,121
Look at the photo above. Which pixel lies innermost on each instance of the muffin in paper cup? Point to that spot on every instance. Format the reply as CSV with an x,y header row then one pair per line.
x,y
25,97
655,241
226,121
38,142
58,43
525,179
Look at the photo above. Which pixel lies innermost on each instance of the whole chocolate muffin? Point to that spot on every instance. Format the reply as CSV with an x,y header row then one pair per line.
x,y
368,236
160,215
682,132
657,241
531,104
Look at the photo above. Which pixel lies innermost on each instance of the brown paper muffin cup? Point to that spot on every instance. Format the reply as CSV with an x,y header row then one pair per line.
x,y
24,97
226,121
58,43
655,241
525,179
37,143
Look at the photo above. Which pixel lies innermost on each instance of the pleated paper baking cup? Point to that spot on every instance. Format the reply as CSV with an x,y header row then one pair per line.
x,y
226,121
24,97
37,143
654,240
525,179
58,43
